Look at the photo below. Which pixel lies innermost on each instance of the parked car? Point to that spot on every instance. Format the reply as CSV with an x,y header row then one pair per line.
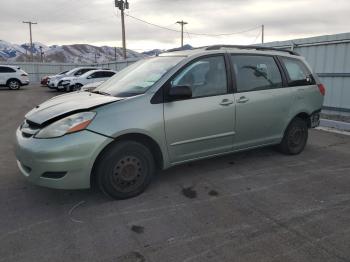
x,y
13,77
55,81
73,83
45,80
92,86
168,110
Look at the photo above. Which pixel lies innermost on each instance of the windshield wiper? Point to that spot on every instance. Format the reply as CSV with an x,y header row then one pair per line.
x,y
101,93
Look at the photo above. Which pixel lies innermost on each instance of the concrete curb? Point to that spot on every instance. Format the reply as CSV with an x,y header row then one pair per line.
x,y
335,124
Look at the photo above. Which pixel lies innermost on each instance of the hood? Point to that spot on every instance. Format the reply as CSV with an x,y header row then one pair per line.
x,y
68,78
63,105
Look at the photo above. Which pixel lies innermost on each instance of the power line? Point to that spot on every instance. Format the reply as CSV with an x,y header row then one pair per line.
x,y
192,33
149,23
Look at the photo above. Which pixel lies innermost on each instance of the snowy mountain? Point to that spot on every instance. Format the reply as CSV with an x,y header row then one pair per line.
x,y
78,53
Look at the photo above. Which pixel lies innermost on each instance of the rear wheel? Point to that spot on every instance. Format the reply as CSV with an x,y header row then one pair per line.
x,y
295,137
13,84
125,170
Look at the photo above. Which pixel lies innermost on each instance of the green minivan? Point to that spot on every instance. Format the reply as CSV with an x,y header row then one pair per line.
x,y
163,111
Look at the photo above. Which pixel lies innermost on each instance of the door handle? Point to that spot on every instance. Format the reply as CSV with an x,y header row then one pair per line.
x,y
242,99
226,102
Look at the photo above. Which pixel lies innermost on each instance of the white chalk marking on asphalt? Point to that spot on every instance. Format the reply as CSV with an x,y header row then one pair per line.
x,y
333,130
71,211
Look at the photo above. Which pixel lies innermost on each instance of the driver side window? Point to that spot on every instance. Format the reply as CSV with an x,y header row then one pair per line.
x,y
205,77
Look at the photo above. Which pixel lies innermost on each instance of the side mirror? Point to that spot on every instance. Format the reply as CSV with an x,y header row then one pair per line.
x,y
89,77
180,92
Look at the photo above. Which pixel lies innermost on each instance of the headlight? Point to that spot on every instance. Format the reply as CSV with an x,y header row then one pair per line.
x,y
69,124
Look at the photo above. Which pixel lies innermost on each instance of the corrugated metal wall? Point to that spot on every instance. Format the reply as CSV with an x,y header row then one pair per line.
x,y
37,70
329,56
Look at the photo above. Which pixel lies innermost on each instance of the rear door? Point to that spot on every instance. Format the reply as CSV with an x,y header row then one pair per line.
x,y
204,124
262,101
2,75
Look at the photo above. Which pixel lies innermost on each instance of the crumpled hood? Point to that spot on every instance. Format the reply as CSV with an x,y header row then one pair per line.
x,y
62,105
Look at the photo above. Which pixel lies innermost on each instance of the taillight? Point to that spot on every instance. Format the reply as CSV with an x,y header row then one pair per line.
x,y
24,75
322,89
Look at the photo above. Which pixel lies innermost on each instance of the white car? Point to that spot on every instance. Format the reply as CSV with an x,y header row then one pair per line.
x,y
75,83
13,77
55,81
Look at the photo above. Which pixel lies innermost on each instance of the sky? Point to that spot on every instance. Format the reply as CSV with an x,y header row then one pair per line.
x,y
98,22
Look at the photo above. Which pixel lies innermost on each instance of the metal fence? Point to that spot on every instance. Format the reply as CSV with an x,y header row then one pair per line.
x,y
329,56
37,70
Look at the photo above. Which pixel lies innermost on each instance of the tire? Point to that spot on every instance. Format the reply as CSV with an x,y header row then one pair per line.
x,y
295,137
125,170
77,87
13,84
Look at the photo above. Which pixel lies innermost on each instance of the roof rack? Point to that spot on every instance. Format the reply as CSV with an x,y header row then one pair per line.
x,y
251,47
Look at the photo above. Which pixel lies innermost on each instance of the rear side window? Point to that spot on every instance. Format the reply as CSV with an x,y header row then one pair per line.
x,y
5,69
82,71
298,73
108,74
254,73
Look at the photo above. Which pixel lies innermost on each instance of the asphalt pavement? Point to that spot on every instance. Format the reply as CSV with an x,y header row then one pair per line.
x,y
257,205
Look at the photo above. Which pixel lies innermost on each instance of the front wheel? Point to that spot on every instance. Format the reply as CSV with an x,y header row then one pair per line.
x,y
13,84
125,170
77,87
295,137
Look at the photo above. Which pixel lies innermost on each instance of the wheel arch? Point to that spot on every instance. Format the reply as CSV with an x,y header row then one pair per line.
x,y
13,78
303,115
138,137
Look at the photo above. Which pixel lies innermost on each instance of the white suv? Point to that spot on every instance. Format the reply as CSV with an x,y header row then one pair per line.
x,y
75,83
13,77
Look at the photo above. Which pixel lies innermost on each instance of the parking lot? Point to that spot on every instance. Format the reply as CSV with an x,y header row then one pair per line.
x,y
252,206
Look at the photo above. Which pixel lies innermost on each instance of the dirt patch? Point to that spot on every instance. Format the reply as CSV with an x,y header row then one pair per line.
x,y
132,256
137,229
189,192
213,193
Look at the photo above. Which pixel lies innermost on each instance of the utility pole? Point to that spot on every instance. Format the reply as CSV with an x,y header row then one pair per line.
x,y
262,33
31,38
115,53
41,54
182,23
122,5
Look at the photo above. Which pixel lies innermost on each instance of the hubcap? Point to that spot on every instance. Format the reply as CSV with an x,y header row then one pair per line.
x,y
128,174
296,136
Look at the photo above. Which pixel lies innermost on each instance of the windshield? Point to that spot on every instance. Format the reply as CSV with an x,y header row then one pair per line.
x,y
139,77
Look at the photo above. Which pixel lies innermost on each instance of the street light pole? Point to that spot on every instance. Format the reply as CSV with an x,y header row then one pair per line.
x,y
122,5
31,38
262,33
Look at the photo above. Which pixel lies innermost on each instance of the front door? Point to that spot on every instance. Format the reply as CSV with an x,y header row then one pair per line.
x,y
204,124
262,103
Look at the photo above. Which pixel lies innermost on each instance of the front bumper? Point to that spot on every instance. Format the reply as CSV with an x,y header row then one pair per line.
x,y
51,85
71,156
